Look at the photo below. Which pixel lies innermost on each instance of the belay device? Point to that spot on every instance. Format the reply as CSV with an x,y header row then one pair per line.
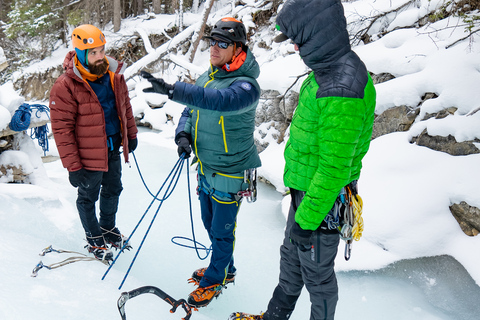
x,y
159,293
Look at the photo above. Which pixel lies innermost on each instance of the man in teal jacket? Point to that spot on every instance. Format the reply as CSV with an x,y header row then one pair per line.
x,y
218,123
329,135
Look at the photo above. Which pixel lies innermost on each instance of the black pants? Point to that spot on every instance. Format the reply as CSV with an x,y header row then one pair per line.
x,y
107,185
312,269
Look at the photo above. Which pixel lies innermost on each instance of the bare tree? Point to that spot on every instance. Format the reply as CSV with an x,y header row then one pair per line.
x,y
139,7
198,35
157,6
180,14
117,15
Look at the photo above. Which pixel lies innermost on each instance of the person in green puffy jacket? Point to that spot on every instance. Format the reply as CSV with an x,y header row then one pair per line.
x,y
329,135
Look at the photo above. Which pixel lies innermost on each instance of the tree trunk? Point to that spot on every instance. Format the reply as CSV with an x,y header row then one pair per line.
x,y
139,7
195,6
198,35
117,15
180,15
157,6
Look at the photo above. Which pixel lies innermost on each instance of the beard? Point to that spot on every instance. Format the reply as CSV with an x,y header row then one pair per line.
x,y
99,69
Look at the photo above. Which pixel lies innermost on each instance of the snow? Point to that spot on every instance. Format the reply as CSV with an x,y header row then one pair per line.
x,y
3,60
399,268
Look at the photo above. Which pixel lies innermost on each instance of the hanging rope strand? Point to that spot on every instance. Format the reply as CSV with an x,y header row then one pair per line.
x,y
173,177
155,197
177,176
195,243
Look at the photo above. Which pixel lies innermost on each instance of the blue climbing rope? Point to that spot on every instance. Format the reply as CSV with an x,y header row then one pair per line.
x,y
196,245
195,242
175,175
21,121
21,118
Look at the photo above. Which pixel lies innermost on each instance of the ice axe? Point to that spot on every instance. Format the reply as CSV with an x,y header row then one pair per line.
x,y
159,293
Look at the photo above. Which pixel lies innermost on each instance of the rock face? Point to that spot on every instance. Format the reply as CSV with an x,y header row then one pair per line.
x,y
37,86
13,173
401,118
394,120
468,217
446,144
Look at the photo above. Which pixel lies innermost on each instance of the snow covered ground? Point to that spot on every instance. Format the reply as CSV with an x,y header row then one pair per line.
x,y
36,216
401,269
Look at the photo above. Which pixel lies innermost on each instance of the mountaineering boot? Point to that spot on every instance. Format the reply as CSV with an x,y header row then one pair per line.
x,y
244,316
201,297
197,276
115,238
97,246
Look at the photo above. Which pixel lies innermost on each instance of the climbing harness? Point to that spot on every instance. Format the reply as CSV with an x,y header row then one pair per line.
x,y
205,187
72,259
249,178
346,216
125,296
172,180
21,121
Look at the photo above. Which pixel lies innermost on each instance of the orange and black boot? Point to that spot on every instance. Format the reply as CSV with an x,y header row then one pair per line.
x,y
197,276
201,297
244,316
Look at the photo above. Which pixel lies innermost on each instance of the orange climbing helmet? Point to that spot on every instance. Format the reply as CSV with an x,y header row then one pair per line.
x,y
87,36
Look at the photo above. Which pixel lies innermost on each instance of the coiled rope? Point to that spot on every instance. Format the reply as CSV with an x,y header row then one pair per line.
x,y
21,121
357,204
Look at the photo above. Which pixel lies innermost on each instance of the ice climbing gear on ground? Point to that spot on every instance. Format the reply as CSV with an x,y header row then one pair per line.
x,y
346,216
21,121
78,257
172,180
125,296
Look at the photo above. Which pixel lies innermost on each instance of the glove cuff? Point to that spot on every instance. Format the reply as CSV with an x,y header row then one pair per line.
x,y
183,134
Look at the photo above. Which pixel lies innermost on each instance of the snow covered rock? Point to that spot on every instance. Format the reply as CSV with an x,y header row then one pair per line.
x,y
3,60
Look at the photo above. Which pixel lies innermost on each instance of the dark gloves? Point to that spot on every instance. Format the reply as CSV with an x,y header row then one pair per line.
x,y
158,85
79,178
132,144
301,238
183,142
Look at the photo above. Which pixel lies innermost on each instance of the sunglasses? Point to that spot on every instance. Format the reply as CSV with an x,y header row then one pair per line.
x,y
221,44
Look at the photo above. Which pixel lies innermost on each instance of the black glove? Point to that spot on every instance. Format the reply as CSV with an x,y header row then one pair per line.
x,y
132,144
79,178
183,142
301,238
158,85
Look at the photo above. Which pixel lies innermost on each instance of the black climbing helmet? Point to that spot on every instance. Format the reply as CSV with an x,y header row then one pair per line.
x,y
230,30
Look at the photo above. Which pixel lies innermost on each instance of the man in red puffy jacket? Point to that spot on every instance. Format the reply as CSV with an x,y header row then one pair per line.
x,y
91,118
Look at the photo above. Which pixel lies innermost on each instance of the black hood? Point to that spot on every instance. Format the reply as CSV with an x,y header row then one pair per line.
x,y
318,27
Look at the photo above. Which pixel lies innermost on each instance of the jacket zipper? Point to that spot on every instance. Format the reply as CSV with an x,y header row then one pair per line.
x,y
222,123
